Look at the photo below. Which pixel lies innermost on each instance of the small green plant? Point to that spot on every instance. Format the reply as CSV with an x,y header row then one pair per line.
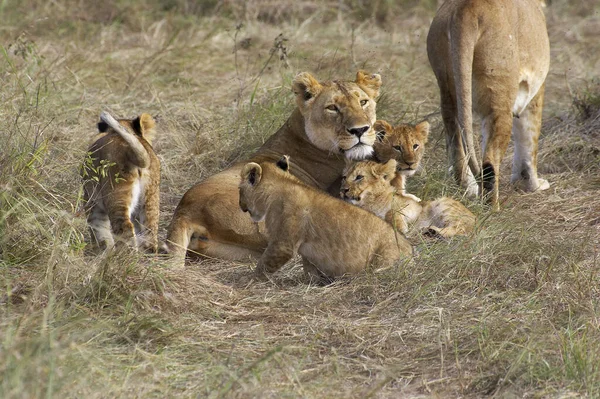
x,y
94,170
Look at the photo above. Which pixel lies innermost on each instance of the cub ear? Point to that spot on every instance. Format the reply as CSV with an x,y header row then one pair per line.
x,y
251,173
143,123
381,128
423,130
369,82
305,87
284,163
388,169
102,127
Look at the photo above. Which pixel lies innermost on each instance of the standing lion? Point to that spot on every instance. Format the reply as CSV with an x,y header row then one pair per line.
x,y
491,56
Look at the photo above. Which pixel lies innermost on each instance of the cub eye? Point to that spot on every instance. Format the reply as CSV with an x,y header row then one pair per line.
x,y
332,108
343,178
358,178
363,102
398,148
415,146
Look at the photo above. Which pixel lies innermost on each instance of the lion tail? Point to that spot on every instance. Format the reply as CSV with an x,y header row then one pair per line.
x,y
179,236
462,49
140,156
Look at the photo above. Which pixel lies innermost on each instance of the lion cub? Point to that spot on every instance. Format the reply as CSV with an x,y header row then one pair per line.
x,y
368,184
404,143
121,183
334,238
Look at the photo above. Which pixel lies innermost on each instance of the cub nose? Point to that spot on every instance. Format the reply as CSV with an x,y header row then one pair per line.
x,y
358,131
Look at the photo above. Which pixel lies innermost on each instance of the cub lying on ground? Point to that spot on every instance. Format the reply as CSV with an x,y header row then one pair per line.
x,y
121,183
368,185
404,143
334,238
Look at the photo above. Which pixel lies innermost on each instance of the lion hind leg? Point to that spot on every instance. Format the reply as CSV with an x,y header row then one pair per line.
x,y
526,132
99,224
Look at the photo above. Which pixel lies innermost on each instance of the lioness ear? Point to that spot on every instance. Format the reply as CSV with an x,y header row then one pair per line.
x,y
423,129
284,163
251,173
370,83
305,87
381,128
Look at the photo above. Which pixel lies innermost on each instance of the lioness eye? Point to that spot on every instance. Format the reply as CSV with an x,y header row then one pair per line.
x,y
332,108
415,146
343,178
364,102
398,148
358,178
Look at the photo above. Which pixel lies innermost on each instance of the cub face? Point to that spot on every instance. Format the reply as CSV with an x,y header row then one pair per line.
x,y
339,115
365,182
404,143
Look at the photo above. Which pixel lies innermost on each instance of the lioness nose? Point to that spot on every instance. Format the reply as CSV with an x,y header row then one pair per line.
x,y
358,131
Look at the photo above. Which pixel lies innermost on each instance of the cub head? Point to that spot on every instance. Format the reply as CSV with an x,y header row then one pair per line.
x,y
339,115
254,186
142,126
404,143
367,183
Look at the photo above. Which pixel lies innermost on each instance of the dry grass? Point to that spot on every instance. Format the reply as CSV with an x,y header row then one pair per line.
x,y
512,311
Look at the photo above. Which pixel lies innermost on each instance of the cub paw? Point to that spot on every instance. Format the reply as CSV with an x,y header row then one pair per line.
x,y
412,197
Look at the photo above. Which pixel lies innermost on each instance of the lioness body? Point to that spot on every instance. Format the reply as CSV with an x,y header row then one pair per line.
x,y
491,56
368,185
333,120
334,238
122,184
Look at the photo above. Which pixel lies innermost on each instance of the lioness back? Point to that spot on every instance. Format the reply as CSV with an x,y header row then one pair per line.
x,y
121,184
333,237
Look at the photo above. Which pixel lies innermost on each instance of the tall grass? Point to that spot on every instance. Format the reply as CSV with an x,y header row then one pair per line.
x,y
509,310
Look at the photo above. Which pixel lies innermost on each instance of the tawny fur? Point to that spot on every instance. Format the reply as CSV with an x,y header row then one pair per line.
x,y
404,143
368,185
491,57
333,120
333,237
121,184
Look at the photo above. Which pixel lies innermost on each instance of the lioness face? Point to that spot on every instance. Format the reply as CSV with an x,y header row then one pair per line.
x,y
339,115
251,200
364,182
404,143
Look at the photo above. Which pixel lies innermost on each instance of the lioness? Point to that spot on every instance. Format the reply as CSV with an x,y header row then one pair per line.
x,y
121,183
404,143
334,238
332,120
493,56
368,185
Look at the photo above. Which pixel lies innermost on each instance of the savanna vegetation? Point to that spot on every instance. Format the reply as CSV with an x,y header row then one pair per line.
x,y
510,311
